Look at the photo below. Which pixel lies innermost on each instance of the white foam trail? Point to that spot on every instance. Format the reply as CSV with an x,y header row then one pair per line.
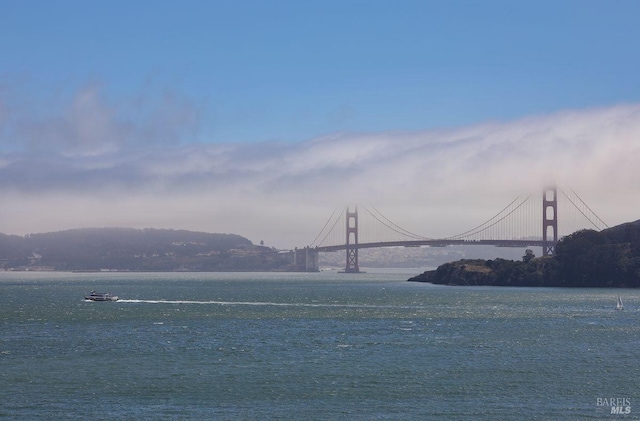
x,y
262,303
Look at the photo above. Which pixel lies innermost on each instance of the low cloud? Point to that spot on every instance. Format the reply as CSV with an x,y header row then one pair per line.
x,y
92,164
88,124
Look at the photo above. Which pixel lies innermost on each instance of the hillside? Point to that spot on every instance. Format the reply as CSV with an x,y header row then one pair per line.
x,y
587,258
135,250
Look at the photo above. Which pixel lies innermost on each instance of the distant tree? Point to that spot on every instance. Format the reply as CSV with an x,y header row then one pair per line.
x,y
528,256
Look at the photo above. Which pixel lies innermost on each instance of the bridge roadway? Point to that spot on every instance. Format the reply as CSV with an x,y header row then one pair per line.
x,y
434,243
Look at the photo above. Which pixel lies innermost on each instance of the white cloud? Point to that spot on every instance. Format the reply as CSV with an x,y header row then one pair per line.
x,y
101,169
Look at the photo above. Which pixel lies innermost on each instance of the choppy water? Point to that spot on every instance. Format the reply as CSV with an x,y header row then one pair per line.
x,y
311,346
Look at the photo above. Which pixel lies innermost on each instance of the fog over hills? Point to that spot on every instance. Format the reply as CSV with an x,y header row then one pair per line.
x,y
133,249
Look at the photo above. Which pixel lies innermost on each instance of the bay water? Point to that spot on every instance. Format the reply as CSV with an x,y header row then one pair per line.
x,y
312,346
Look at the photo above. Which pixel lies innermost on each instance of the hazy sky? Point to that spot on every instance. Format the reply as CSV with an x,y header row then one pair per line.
x,y
261,117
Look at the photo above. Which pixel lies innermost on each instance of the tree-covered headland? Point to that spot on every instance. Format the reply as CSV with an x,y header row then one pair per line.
x,y
587,258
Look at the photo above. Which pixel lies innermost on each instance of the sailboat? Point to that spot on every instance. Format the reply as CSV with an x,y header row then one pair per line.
x,y
619,305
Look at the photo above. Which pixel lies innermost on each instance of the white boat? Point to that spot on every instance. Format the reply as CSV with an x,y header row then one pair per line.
x,y
619,305
101,296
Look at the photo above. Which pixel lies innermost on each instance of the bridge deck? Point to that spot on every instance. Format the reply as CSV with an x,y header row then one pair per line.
x,y
436,243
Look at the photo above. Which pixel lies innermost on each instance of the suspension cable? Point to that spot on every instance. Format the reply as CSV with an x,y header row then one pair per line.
x,y
323,228
496,222
332,227
576,206
394,227
587,206
480,228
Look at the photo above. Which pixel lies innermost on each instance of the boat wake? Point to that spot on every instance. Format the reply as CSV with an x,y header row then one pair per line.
x,y
200,302
263,303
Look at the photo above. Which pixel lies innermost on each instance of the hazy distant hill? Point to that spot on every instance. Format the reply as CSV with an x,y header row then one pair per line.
x,y
132,249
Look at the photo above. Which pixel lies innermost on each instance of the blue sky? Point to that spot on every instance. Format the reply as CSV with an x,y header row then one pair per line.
x,y
293,70
112,91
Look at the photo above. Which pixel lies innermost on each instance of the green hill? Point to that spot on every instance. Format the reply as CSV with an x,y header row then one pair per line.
x,y
587,258
136,250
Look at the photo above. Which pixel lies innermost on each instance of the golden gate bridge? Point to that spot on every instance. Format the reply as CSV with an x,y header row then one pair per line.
x,y
525,222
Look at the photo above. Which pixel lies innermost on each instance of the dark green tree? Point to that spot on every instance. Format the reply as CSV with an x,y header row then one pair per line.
x,y
528,256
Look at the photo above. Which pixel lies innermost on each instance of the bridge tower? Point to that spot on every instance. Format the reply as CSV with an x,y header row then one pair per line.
x,y
549,220
352,242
